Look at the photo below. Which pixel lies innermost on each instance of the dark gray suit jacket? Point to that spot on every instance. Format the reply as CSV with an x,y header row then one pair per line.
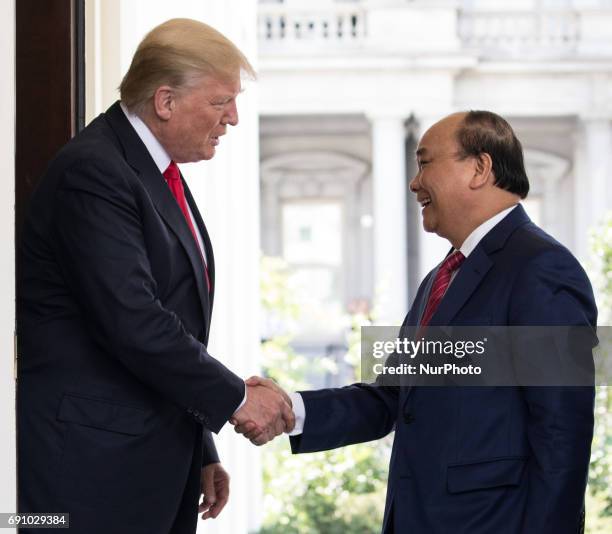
x,y
117,394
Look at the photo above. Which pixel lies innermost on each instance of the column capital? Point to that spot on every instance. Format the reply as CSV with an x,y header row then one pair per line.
x,y
596,116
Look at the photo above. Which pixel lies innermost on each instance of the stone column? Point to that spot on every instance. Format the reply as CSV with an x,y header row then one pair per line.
x,y
593,193
389,211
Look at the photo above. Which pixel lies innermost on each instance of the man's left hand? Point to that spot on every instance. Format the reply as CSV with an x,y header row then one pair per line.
x,y
215,490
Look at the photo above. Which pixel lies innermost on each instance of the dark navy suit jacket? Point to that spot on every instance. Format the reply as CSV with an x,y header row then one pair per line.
x,y
471,460
117,394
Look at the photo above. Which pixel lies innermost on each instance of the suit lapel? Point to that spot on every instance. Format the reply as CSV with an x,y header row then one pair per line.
x,y
469,277
141,161
418,308
462,287
476,266
210,258
409,329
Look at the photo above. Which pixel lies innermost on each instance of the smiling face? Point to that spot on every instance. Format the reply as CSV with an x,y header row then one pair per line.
x,y
191,121
442,183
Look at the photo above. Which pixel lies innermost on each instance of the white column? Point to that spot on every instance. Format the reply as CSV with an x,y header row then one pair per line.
x,y
226,190
389,210
592,184
8,495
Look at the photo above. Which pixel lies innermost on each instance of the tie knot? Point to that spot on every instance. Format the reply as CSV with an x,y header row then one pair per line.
x,y
172,172
453,262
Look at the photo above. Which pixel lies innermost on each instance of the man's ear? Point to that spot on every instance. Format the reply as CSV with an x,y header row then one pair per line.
x,y
164,102
483,170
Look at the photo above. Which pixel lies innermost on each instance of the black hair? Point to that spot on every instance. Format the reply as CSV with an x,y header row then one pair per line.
x,y
486,132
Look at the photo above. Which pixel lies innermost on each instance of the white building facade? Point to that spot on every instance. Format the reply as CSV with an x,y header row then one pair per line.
x,y
347,88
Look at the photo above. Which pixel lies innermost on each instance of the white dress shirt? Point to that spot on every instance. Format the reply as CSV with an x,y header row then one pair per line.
x,y
466,249
162,160
476,236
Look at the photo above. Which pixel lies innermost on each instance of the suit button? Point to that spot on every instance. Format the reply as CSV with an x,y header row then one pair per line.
x,y
196,413
190,410
408,418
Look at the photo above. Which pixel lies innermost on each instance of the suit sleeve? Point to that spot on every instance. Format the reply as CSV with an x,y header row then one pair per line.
x,y
358,413
553,290
99,243
209,451
344,416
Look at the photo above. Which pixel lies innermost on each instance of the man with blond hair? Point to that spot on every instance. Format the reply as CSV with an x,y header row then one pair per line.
x,y
117,393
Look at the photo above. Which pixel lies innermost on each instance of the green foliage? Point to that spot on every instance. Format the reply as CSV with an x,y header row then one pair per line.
x,y
276,298
331,492
601,245
596,521
600,472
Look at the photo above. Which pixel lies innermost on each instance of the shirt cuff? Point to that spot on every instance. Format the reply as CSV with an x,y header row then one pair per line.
x,y
299,410
244,399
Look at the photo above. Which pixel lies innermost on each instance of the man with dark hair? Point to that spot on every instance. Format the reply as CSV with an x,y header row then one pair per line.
x,y
472,460
485,132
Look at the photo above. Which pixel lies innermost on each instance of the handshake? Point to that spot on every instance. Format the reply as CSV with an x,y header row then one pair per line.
x,y
267,413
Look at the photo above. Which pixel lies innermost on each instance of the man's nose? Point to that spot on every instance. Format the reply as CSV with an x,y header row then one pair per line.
x,y
231,116
414,184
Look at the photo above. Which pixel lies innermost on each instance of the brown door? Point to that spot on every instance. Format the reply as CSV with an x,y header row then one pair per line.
x,y
50,97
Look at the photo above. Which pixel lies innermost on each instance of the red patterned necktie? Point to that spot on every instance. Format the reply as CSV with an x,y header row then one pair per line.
x,y
440,284
173,178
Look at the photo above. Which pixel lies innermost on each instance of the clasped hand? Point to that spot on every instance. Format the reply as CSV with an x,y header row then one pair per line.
x,y
267,412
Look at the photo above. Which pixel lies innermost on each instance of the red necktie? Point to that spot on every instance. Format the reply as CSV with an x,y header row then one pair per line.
x,y
173,178
440,284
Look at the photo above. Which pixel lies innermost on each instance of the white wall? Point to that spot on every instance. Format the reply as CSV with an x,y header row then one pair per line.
x,y
8,494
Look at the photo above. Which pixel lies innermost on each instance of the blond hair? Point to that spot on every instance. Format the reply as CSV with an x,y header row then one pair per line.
x,y
177,53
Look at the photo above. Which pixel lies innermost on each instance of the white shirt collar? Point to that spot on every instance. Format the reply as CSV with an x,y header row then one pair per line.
x,y
157,151
161,159
476,236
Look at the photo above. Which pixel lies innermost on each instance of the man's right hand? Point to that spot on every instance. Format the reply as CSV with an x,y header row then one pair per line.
x,y
266,414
